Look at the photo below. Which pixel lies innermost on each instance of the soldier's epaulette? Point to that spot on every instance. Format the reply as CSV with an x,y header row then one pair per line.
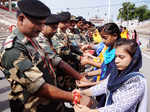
x,y
9,41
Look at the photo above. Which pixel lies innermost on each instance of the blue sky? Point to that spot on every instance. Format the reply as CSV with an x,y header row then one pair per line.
x,y
90,8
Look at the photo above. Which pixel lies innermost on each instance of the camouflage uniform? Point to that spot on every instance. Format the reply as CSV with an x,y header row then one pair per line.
x,y
48,49
63,45
71,38
74,44
79,36
60,43
75,39
26,68
84,37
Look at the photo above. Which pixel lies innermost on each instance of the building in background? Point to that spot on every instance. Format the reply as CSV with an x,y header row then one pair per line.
x,y
97,21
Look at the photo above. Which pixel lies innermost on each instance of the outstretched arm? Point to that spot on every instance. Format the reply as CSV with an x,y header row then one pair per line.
x,y
52,92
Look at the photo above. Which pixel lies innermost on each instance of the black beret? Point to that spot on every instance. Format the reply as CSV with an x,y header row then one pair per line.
x,y
52,19
80,18
92,24
34,9
85,22
89,22
64,16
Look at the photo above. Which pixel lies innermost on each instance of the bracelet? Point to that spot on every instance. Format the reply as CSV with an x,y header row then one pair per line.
x,y
89,47
76,97
81,76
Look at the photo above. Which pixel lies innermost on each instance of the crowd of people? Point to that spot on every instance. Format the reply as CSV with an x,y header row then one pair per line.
x,y
63,63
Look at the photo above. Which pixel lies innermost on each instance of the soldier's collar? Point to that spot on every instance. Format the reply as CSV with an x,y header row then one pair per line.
x,y
20,36
18,33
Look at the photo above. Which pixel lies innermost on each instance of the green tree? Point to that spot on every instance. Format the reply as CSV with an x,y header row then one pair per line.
x,y
127,12
147,15
130,12
142,13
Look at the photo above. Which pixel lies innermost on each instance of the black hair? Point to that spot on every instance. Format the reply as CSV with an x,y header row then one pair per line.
x,y
112,29
135,36
100,28
131,45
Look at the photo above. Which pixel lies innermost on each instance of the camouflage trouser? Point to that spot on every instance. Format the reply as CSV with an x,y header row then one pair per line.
x,y
17,106
53,106
56,106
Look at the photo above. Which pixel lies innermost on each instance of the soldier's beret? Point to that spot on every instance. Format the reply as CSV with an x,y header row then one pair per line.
x,y
64,16
34,9
89,23
85,22
52,19
80,18
92,24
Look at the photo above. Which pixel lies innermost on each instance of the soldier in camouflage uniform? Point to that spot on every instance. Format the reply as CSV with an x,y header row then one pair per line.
x,y
84,33
74,44
79,29
44,40
62,42
73,39
27,68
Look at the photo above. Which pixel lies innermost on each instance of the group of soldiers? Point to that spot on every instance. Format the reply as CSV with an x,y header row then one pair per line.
x,y
41,57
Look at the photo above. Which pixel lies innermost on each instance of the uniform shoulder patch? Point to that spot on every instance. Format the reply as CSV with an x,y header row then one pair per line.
x,y
8,43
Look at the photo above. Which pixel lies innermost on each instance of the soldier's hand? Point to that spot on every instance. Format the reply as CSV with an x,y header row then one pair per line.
x,y
84,47
84,79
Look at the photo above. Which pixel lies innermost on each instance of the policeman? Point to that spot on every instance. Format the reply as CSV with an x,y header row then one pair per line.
x,y
25,65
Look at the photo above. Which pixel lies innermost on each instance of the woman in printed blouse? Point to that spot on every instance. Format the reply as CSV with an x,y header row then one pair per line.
x,y
125,87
